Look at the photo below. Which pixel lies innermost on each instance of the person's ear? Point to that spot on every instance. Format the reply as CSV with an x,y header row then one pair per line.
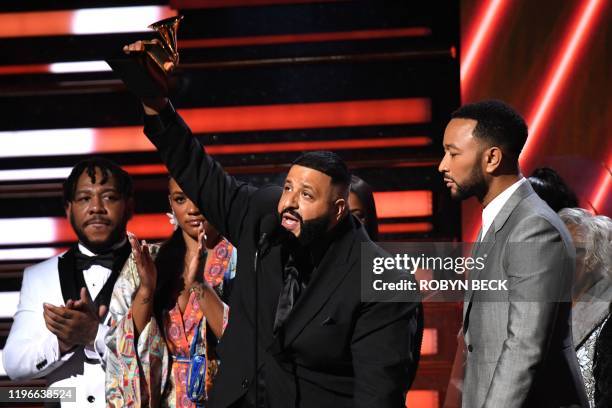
x,y
68,209
492,157
340,206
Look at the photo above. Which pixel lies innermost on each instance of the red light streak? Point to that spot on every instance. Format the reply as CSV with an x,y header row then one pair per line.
x,y
485,23
407,227
557,76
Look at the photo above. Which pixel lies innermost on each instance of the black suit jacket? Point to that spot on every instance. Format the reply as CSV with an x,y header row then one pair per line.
x,y
338,351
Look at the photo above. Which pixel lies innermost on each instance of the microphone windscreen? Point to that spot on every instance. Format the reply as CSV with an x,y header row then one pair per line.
x,y
269,224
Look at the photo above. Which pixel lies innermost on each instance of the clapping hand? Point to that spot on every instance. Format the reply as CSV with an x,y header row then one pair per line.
x,y
74,324
144,265
195,267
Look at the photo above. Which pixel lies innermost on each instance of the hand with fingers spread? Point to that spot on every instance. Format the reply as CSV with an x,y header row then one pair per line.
x,y
144,265
74,324
194,281
142,305
195,267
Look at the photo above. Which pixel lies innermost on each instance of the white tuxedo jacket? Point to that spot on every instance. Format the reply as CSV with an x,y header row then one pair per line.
x,y
32,351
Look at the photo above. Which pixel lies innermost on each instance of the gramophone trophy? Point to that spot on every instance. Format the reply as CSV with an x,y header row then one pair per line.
x,y
146,73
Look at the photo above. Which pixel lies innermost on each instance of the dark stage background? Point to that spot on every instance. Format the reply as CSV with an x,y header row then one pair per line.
x,y
260,81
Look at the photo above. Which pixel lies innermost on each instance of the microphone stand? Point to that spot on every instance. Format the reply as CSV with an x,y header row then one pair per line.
x,y
256,376
267,227
256,267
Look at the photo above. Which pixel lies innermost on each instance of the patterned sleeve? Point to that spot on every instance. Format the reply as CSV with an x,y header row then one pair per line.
x,y
135,373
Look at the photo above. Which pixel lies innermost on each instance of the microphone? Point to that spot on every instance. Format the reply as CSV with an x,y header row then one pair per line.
x,y
268,228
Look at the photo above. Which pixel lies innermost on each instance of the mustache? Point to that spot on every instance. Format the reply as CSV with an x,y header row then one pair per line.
x,y
446,176
97,220
293,213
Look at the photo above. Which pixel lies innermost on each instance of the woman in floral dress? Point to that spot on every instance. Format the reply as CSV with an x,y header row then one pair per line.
x,y
158,305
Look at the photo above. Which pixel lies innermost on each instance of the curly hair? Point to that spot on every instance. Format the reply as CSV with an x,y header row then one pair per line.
x,y
595,236
123,181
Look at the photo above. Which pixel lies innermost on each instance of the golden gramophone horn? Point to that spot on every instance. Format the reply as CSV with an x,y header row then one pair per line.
x,y
147,73
167,29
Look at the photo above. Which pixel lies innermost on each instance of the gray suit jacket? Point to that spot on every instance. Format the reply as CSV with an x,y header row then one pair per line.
x,y
519,350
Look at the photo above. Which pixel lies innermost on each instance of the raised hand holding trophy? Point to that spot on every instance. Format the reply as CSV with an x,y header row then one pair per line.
x,y
146,69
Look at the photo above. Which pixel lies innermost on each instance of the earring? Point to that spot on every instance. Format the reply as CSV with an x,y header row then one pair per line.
x,y
172,220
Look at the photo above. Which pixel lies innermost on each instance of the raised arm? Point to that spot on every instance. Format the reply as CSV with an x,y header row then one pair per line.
x,y
223,200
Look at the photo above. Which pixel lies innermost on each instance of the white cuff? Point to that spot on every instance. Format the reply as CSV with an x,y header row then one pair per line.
x,y
51,348
96,351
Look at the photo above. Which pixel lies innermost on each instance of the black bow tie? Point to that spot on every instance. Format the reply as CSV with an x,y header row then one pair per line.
x,y
84,262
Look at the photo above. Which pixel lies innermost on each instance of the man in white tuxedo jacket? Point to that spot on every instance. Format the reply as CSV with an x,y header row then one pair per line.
x,y
59,328
518,348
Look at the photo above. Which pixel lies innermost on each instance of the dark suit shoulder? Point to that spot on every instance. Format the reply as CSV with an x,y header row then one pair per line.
x,y
265,199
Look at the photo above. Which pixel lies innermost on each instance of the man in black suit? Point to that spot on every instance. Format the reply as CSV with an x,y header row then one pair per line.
x,y
319,344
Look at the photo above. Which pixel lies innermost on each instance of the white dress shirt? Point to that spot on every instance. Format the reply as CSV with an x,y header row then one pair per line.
x,y
95,277
494,207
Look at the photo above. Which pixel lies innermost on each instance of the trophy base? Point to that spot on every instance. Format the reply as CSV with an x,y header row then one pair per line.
x,y
141,75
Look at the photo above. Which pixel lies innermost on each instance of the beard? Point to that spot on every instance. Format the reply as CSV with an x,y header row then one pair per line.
x,y
475,185
313,229
309,230
99,248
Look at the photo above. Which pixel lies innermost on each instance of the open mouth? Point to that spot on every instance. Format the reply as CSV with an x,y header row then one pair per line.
x,y
290,222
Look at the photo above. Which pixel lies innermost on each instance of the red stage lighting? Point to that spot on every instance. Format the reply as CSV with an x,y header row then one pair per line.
x,y
577,34
484,24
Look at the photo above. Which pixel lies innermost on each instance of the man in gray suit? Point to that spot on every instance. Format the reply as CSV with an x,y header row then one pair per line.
x,y
518,343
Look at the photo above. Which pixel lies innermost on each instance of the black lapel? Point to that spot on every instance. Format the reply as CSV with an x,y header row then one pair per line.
x,y
66,270
121,256
270,281
332,270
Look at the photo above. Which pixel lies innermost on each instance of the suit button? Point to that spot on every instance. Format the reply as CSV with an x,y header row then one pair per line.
x,y
470,348
245,384
91,399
